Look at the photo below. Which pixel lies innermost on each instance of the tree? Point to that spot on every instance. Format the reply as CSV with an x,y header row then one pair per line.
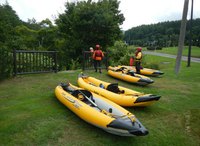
x,y
8,21
47,35
85,24
27,38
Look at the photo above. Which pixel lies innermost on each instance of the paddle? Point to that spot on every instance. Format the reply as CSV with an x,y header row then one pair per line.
x,y
102,110
94,104
88,98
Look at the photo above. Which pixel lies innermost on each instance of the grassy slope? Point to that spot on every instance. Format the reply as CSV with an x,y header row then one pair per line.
x,y
31,115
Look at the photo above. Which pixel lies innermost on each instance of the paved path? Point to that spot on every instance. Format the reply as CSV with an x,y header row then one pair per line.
x,y
184,58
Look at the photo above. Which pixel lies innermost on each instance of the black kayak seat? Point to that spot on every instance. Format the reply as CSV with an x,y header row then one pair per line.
x,y
84,93
113,87
131,73
121,68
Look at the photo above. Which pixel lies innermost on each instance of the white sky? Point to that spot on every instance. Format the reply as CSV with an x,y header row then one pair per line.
x,y
136,12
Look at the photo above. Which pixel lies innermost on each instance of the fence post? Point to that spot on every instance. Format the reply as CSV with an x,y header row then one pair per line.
x,y
106,60
55,59
83,68
14,62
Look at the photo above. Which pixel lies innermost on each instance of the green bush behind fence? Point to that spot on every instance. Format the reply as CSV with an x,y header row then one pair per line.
x,y
6,63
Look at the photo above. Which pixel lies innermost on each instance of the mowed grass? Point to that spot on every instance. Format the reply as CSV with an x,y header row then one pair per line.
x,y
195,51
30,114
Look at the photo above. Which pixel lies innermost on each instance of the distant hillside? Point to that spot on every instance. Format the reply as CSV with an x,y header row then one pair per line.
x,y
164,34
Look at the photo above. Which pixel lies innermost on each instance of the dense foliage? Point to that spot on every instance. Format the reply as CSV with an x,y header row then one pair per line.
x,y
165,34
85,24
8,21
118,53
16,34
5,63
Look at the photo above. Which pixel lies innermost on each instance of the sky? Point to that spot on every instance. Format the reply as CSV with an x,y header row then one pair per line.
x,y
136,12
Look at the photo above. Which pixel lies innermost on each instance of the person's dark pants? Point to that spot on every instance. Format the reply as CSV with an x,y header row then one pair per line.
x,y
137,66
97,65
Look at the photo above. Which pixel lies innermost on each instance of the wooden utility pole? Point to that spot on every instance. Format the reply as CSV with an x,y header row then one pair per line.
x,y
181,36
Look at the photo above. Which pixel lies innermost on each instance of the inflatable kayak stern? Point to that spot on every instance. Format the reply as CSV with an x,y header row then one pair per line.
x,y
132,128
147,98
156,73
144,81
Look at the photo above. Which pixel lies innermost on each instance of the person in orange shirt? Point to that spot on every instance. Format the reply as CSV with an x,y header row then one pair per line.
x,y
138,59
97,56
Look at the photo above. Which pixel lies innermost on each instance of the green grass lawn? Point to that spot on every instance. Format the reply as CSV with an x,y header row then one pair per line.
x,y
30,114
195,51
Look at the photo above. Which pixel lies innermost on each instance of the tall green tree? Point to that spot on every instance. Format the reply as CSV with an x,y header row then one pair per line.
x,y
8,21
48,35
87,23
26,38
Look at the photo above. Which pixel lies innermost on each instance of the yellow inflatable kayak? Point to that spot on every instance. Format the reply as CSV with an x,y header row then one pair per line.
x,y
120,95
145,71
99,111
124,74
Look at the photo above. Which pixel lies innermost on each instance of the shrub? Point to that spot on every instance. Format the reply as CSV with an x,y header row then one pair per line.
x,y
74,64
6,63
117,52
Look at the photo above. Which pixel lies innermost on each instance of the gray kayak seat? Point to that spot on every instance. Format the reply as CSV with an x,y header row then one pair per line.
x,y
67,87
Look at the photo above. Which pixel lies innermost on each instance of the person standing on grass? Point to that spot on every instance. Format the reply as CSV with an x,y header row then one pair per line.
x,y
91,60
138,59
97,56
